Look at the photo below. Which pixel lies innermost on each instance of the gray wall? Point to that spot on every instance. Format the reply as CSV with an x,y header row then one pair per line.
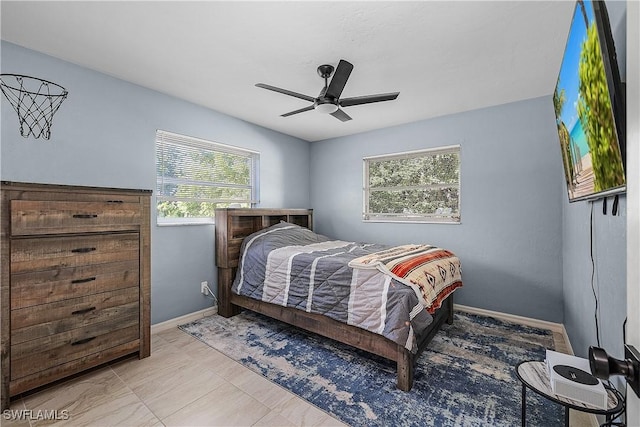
x,y
510,238
609,245
525,248
104,135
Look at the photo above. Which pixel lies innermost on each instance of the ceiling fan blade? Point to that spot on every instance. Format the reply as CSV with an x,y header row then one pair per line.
x,y
368,99
341,115
286,92
339,79
302,110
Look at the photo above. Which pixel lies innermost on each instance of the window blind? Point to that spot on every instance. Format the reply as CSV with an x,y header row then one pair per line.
x,y
194,176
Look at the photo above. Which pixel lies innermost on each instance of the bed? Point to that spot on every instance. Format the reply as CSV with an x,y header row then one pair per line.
x,y
252,242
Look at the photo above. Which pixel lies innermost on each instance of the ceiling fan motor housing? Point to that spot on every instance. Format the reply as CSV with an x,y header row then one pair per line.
x,y
325,71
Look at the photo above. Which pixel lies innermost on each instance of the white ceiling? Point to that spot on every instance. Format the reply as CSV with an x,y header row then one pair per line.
x,y
443,57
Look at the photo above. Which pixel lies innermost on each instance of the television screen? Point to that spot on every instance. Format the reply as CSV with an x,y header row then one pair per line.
x,y
589,107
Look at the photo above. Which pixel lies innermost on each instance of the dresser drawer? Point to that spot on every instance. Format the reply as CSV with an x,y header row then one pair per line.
x,y
72,367
49,319
37,254
38,355
33,217
56,284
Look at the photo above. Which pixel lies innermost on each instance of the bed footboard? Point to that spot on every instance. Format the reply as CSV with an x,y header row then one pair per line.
x,y
406,360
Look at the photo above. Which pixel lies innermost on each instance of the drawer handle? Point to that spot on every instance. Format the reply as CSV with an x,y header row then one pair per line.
x,y
83,250
85,216
115,201
83,341
83,311
88,279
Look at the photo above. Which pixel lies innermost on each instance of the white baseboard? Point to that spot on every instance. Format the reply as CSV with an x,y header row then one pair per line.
x,y
172,323
528,321
566,340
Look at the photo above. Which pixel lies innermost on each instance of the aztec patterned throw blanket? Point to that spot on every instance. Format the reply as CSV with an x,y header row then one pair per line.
x,y
292,266
432,272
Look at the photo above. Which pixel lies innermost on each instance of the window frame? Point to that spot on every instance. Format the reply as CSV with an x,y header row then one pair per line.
x,y
210,146
367,216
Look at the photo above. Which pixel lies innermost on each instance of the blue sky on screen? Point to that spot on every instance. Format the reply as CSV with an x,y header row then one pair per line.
x,y
569,70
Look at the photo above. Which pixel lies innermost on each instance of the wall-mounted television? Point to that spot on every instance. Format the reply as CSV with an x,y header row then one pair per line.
x,y
590,107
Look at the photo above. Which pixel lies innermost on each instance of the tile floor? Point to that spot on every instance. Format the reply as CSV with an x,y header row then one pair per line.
x,y
183,383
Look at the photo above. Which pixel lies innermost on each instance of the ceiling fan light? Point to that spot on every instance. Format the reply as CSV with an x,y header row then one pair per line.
x,y
327,108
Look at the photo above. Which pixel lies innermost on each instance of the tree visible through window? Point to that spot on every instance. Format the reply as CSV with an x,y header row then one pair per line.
x,y
414,186
194,177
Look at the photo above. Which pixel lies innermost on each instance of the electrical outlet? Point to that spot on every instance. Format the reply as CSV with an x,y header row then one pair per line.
x,y
204,287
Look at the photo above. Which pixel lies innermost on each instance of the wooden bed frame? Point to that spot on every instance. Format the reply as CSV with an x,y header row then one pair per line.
x,y
234,224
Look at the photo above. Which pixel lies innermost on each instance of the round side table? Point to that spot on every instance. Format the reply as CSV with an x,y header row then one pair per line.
x,y
534,375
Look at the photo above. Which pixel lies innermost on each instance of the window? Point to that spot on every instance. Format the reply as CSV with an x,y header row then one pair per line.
x,y
417,186
194,177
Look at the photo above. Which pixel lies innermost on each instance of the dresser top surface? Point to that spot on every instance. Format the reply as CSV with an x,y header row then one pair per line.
x,y
30,186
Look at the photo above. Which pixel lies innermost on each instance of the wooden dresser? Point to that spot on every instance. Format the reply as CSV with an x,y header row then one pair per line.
x,y
75,281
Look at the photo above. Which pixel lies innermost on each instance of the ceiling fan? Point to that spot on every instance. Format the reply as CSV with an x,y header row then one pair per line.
x,y
329,100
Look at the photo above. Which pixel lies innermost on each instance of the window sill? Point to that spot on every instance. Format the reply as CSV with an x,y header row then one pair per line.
x,y
181,223
415,221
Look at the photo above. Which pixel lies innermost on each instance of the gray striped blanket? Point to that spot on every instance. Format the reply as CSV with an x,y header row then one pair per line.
x,y
291,266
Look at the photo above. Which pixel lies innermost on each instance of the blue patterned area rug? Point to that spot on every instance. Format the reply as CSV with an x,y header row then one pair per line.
x,y
466,376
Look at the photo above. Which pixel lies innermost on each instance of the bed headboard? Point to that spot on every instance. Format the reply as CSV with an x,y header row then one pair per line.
x,y
232,226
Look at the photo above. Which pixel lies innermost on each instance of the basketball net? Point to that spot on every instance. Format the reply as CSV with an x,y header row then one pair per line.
x,y
35,100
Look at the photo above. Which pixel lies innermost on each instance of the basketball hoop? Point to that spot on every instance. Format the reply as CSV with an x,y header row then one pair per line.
x,y
35,100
